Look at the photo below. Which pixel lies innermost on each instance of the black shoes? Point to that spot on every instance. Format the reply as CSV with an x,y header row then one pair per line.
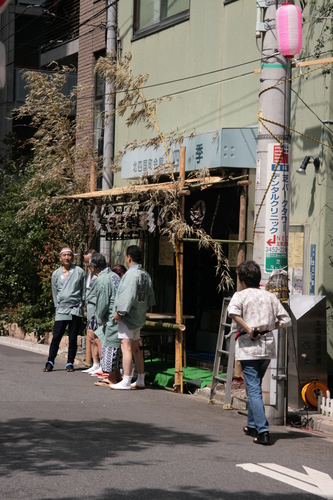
x,y
250,431
262,438
69,367
48,367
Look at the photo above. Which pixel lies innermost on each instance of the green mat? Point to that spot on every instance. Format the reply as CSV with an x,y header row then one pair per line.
x,y
164,376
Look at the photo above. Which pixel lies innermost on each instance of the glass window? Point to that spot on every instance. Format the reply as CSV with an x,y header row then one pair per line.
x,y
98,127
149,13
153,15
99,114
172,7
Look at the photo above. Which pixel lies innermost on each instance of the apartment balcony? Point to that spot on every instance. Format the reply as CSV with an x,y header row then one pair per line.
x,y
20,84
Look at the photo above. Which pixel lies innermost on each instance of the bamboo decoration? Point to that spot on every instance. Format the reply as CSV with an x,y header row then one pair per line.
x,y
179,291
171,326
242,223
91,237
92,189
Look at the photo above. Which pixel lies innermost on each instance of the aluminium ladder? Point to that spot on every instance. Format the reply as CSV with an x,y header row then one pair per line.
x,y
222,336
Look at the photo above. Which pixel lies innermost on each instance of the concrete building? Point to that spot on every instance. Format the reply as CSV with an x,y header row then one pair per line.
x,y
205,55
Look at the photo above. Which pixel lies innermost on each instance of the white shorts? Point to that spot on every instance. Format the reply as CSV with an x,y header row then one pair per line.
x,y
125,333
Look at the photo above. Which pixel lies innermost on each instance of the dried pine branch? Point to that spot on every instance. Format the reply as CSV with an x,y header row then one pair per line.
x,y
138,110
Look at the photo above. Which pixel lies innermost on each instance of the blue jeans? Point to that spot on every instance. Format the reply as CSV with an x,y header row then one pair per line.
x,y
254,371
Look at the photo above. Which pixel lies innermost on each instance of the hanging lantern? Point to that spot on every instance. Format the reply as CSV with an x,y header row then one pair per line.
x,y
289,29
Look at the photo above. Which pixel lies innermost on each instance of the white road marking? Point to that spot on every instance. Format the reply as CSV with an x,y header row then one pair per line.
x,y
315,482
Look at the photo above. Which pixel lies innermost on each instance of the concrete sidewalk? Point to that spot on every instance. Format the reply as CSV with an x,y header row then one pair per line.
x,y
307,420
310,420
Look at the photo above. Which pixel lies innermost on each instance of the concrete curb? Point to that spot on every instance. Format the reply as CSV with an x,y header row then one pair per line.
x,y
38,348
25,345
323,424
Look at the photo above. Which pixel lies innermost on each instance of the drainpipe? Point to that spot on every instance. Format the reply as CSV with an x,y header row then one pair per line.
x,y
109,122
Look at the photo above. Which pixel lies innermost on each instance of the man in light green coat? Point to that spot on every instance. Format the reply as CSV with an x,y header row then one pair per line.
x,y
68,291
105,288
134,296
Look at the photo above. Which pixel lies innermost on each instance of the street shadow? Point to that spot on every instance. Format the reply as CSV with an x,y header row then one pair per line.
x,y
291,436
49,447
190,493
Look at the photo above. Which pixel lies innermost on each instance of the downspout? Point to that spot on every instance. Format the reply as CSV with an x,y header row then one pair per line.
x,y
109,117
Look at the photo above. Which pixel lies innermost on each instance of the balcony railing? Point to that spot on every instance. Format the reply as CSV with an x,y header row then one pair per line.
x,y
20,83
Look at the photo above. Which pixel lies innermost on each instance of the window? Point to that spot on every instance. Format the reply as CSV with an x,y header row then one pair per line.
x,y
99,121
154,15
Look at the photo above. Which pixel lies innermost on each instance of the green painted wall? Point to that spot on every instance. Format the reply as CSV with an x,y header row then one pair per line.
x,y
312,195
218,43
207,63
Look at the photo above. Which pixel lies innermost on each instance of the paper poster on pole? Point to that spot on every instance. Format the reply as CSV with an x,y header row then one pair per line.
x,y
166,252
277,210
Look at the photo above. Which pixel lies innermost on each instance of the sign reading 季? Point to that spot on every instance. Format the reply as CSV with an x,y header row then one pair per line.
x,y
277,210
203,150
227,147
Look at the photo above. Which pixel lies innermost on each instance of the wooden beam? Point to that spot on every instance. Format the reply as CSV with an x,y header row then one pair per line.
x,y
303,64
214,181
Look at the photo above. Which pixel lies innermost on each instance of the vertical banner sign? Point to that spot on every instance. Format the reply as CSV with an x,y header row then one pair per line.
x,y
312,269
277,210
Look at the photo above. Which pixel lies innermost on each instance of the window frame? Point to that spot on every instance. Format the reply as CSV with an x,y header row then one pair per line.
x,y
161,25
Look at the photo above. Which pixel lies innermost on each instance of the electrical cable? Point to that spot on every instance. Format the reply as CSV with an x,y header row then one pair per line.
x,y
80,25
59,17
312,111
38,50
262,120
17,17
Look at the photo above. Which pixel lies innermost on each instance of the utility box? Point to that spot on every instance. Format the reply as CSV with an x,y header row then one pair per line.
x,y
307,345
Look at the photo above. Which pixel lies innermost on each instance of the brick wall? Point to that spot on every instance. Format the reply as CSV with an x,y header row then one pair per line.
x,y
91,41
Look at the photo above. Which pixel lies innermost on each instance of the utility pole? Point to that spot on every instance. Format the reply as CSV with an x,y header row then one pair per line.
x,y
109,117
272,215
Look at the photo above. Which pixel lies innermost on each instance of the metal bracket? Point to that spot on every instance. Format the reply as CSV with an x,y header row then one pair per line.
x,y
279,377
260,26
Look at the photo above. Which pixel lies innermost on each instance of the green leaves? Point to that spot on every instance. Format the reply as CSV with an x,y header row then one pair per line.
x,y
35,220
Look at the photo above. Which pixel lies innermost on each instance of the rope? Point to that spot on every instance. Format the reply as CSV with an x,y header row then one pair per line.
x,y
262,119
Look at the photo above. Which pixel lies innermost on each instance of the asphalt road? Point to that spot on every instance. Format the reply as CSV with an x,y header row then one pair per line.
x,y
64,438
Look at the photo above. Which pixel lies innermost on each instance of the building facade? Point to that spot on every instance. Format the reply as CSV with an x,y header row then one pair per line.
x,y
205,55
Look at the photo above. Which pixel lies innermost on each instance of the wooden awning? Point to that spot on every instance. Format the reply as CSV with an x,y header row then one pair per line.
x,y
190,185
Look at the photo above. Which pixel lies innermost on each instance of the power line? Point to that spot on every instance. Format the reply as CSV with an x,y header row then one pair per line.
x,y
312,111
80,25
199,74
17,17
